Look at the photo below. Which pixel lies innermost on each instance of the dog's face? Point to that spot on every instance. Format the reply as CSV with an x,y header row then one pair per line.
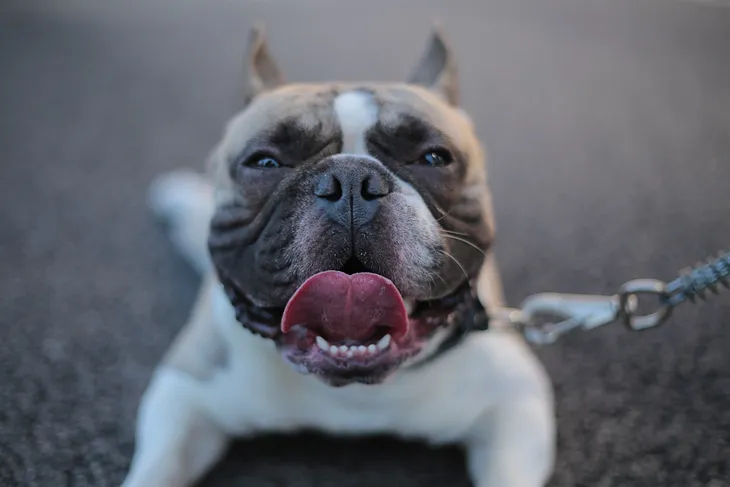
x,y
350,217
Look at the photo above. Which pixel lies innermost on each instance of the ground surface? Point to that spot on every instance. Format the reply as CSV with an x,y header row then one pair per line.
x,y
608,127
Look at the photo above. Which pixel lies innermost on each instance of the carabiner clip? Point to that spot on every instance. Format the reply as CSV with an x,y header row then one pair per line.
x,y
585,311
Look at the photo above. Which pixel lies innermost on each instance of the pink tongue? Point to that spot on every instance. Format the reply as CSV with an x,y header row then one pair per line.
x,y
346,306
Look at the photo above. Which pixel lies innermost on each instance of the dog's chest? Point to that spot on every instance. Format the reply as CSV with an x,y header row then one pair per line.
x,y
258,390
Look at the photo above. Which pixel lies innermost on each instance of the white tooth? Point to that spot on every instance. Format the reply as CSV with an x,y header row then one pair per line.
x,y
349,354
362,349
353,348
334,350
322,343
384,342
410,304
343,349
372,348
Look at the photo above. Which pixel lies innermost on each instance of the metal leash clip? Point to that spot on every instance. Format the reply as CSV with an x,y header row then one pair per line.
x,y
588,311
573,310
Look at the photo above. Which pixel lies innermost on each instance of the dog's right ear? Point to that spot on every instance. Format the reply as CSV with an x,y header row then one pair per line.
x,y
437,68
263,74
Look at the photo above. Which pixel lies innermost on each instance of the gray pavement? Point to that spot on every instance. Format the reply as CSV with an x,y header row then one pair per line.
x,y
608,129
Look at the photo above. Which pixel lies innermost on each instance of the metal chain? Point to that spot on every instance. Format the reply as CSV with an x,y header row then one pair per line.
x,y
592,311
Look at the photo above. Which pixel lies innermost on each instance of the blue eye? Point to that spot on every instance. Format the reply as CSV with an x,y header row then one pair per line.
x,y
260,159
267,162
438,157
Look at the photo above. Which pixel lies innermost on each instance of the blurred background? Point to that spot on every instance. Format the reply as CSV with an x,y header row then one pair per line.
x,y
607,125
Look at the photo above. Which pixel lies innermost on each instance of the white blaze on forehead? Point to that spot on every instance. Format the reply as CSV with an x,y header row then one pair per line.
x,y
356,112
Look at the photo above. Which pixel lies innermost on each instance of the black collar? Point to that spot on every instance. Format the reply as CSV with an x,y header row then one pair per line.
x,y
468,317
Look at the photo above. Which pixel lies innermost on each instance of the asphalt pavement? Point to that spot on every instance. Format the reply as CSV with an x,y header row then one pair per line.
x,y
607,125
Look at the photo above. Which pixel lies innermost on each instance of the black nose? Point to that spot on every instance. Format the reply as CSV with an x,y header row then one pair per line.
x,y
350,189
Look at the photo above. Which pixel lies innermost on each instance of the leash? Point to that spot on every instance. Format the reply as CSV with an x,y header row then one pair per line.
x,y
574,311
589,311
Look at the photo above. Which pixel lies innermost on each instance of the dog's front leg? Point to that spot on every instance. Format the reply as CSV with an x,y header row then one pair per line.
x,y
512,445
177,443
176,439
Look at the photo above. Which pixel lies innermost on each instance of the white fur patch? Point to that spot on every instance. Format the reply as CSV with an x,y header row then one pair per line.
x,y
356,112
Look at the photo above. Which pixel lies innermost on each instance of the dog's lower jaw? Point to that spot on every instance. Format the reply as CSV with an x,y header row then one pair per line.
x,y
366,363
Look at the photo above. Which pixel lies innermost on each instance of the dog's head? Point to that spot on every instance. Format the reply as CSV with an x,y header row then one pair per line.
x,y
351,218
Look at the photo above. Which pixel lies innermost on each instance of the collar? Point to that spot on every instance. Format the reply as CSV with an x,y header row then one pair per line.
x,y
469,316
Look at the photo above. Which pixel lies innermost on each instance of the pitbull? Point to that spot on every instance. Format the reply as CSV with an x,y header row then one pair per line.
x,y
343,233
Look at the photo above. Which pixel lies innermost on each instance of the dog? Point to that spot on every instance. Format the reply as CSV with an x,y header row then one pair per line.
x,y
344,236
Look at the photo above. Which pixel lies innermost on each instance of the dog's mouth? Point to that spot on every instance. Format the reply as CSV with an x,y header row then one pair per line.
x,y
347,326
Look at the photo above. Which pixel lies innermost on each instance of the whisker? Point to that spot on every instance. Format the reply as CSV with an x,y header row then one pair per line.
x,y
472,245
444,214
456,262
432,280
442,279
451,232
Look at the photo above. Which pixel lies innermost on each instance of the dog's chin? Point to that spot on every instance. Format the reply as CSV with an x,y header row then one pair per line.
x,y
371,361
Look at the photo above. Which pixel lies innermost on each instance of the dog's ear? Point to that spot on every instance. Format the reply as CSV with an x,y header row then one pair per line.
x,y
437,68
263,73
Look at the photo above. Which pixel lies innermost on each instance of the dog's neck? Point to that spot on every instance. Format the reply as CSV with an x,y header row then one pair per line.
x,y
467,316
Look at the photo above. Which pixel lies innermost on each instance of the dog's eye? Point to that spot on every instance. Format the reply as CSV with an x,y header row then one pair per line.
x,y
436,157
266,162
260,160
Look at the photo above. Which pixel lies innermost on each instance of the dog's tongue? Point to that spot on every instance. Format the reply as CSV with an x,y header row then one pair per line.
x,y
346,306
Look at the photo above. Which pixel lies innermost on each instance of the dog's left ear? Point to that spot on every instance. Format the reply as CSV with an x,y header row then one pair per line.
x,y
437,68
263,73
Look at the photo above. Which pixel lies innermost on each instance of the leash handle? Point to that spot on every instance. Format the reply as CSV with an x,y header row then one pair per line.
x,y
588,311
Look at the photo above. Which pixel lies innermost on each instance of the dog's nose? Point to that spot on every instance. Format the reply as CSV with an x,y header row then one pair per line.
x,y
350,189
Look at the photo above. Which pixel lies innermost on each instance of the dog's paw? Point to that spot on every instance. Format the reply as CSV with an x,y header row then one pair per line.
x,y
176,194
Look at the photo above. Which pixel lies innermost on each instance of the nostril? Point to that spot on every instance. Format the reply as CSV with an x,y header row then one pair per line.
x,y
328,187
374,188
